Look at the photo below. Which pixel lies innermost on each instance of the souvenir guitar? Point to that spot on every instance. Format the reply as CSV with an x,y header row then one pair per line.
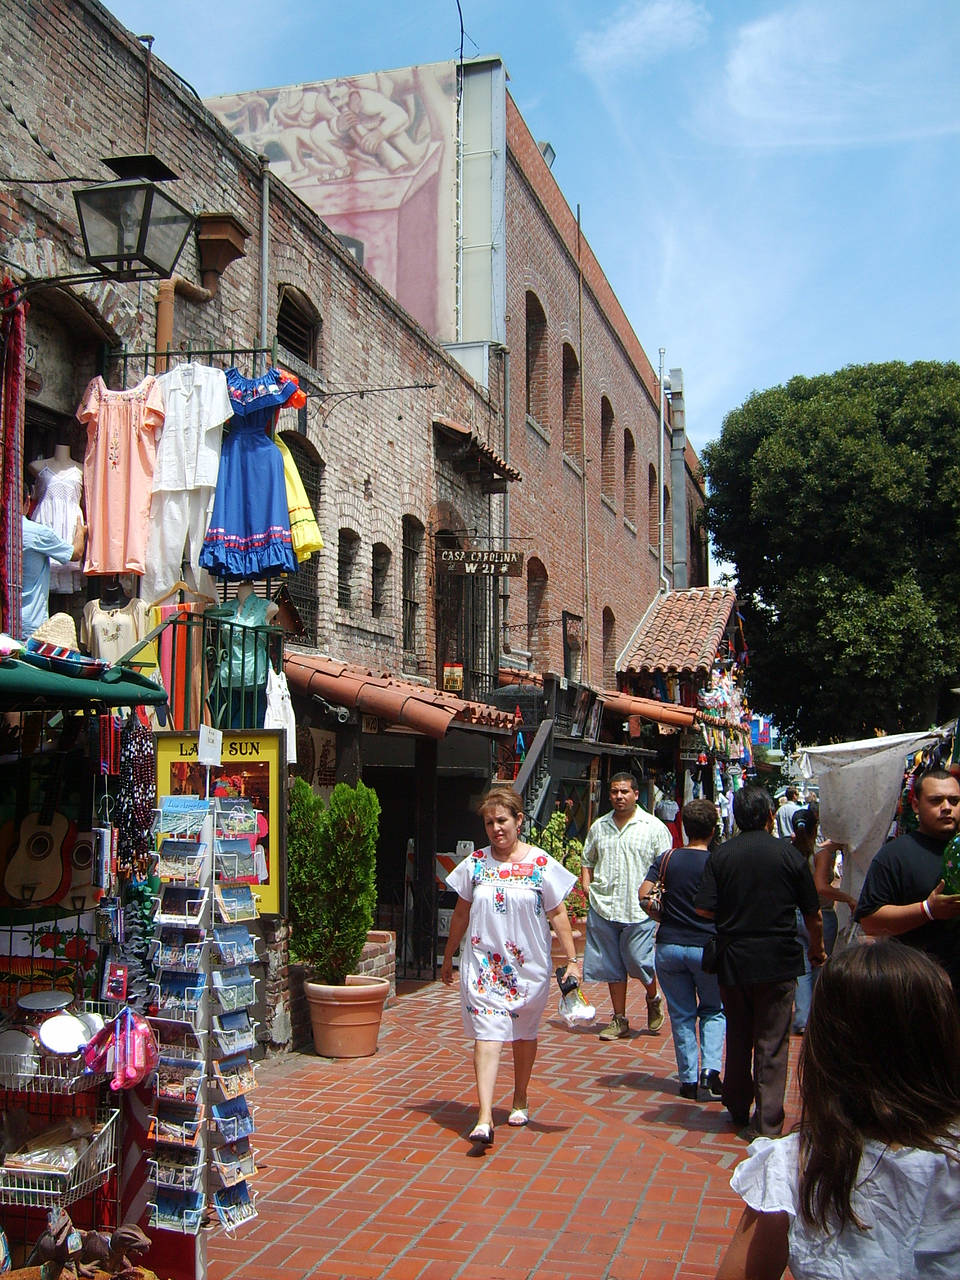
x,y
38,871
82,893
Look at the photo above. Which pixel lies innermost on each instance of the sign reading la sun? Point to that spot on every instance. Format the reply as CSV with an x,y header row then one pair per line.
x,y
483,563
252,766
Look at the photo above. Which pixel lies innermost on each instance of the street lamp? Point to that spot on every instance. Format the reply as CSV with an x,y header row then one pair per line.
x,y
131,229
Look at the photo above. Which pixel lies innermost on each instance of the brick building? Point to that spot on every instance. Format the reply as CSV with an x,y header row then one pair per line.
x,y
607,514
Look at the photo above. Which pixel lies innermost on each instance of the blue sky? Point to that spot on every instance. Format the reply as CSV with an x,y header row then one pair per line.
x,y
772,189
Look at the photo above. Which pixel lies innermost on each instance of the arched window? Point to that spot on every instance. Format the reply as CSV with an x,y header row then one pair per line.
x,y
572,408
653,507
667,531
379,579
537,641
348,544
536,373
608,471
629,478
298,326
609,650
412,532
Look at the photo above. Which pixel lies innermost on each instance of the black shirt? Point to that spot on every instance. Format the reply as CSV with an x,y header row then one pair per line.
x,y
680,923
753,885
906,870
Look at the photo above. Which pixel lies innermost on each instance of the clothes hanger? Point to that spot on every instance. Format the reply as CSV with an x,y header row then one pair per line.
x,y
177,587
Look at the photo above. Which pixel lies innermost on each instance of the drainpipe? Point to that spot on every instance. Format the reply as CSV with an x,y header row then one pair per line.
x,y
166,292
664,585
585,507
220,241
505,581
264,256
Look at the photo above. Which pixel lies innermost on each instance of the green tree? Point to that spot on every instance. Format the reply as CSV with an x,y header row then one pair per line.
x,y
836,498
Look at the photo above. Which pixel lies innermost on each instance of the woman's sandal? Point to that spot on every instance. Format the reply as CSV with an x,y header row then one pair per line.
x,y
482,1133
518,1116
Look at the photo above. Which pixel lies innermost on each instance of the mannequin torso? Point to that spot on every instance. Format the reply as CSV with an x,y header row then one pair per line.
x,y
60,461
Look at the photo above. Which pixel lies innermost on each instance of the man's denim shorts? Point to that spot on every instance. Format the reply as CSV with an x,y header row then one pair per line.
x,y
615,951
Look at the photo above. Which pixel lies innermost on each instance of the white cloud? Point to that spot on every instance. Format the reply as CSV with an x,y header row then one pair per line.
x,y
819,74
641,32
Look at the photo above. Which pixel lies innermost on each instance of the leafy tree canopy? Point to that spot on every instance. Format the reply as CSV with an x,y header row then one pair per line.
x,y
837,498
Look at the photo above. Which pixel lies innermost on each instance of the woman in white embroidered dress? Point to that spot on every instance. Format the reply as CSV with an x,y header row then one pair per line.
x,y
508,895
870,1184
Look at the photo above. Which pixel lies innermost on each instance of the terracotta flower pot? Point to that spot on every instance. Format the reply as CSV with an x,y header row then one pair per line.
x,y
346,1020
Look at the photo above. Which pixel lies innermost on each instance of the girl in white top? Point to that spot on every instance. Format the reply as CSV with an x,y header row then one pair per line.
x,y
869,1186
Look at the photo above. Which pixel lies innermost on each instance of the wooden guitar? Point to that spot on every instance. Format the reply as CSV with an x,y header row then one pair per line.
x,y
38,870
81,893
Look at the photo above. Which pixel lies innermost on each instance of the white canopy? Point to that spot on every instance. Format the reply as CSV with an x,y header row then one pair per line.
x,y
859,791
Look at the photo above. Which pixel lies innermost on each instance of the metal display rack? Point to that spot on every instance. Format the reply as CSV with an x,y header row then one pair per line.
x,y
201,1157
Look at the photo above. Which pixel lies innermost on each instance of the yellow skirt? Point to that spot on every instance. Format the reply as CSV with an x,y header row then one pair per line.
x,y
304,530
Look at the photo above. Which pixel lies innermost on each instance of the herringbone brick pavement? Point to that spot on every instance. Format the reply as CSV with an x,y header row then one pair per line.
x,y
365,1173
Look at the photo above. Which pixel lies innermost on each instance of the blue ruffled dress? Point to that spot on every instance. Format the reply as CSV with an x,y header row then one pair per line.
x,y
249,532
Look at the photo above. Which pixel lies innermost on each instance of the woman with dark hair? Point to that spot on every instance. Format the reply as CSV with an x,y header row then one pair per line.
x,y
692,996
508,895
869,1186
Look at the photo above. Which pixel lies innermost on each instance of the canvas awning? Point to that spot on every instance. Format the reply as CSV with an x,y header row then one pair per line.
x,y
401,702
27,688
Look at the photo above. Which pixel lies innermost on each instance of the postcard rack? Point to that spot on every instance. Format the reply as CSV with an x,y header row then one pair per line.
x,y
204,989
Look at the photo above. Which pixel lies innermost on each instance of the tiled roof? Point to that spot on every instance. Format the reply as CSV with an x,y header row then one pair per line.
x,y
623,704
681,631
417,707
517,675
476,448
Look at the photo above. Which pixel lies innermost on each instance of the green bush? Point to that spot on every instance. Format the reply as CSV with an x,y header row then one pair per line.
x,y
551,840
331,860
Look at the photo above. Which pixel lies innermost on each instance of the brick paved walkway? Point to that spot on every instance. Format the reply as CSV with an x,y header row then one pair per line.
x,y
365,1171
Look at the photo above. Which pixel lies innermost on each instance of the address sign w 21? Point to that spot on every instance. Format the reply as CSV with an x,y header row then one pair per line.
x,y
497,564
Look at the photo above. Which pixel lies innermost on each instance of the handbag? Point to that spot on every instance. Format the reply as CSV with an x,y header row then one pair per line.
x,y
653,903
711,954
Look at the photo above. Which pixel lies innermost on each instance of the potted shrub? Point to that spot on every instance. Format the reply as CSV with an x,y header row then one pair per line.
x,y
333,897
550,838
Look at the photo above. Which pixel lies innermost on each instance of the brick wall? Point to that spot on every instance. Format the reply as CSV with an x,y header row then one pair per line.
x,y
76,81
619,387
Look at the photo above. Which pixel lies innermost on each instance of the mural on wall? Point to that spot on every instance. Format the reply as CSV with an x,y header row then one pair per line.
x,y
375,156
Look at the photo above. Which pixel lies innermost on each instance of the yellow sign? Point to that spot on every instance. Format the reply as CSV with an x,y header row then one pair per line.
x,y
252,768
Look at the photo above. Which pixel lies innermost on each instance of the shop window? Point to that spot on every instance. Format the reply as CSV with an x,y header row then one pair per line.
x,y
609,650
298,326
572,407
536,349
348,544
653,507
304,585
379,580
608,475
629,478
412,584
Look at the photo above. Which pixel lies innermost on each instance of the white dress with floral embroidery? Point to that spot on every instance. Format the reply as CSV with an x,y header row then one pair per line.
x,y
505,966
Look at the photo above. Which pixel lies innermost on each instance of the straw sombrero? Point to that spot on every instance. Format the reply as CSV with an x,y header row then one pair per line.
x,y
59,629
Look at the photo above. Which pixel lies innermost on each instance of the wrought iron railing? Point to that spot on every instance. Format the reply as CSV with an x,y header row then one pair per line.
x,y
213,668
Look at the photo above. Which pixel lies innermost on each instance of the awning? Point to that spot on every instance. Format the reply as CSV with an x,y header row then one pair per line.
x,y
472,456
417,707
27,688
622,704
680,632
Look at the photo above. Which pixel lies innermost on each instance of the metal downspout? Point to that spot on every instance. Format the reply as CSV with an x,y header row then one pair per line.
x,y
264,257
505,581
663,585
585,665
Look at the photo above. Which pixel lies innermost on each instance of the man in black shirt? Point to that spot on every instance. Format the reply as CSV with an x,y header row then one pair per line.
x,y
752,886
903,890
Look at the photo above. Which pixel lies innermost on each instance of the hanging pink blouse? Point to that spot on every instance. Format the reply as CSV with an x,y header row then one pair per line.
x,y
118,473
